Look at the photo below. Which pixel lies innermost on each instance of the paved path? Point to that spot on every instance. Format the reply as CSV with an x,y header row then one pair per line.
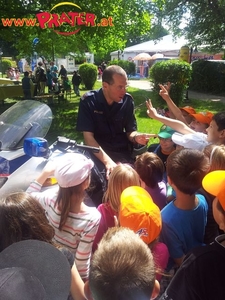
x,y
140,84
146,85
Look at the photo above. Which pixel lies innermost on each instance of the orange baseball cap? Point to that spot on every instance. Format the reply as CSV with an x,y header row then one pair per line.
x,y
214,183
190,110
203,117
139,213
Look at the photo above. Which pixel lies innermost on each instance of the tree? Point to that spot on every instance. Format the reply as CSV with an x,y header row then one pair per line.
x,y
202,22
129,18
157,31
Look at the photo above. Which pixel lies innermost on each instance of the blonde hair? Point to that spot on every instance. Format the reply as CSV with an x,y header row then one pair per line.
x,y
121,177
217,158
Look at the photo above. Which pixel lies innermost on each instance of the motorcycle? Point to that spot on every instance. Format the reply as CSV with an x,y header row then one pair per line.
x,y
30,122
24,119
24,152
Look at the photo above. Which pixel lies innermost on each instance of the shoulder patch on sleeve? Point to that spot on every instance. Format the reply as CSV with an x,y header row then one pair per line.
x,y
87,95
129,96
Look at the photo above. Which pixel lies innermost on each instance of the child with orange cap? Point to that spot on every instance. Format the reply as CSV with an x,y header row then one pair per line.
x,y
215,132
187,112
201,276
197,121
201,121
139,213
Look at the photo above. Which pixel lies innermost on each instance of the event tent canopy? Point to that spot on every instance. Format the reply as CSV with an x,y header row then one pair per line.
x,y
167,43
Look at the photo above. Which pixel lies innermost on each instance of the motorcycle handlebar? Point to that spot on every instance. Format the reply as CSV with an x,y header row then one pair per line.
x,y
63,143
89,148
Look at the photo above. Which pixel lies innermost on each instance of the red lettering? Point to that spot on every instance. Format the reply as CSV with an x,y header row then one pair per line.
x,y
30,22
73,16
43,19
54,21
18,22
7,22
90,19
104,22
81,19
110,19
64,19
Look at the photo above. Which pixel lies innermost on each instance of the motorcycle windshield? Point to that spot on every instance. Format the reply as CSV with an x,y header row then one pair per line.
x,y
27,118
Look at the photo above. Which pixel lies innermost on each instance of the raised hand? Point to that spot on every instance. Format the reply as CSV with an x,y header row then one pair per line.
x,y
164,93
151,111
168,86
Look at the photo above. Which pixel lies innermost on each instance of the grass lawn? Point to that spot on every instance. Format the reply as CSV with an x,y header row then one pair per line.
x,y
65,114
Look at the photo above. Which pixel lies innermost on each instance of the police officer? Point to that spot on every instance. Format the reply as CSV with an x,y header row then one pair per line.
x,y
106,118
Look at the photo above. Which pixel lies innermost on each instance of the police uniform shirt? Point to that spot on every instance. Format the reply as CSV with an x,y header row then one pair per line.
x,y
109,123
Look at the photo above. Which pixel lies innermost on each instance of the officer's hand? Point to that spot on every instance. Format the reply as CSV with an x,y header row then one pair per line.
x,y
110,165
143,138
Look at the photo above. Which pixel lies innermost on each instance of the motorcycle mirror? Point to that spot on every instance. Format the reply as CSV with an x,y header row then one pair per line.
x,y
36,146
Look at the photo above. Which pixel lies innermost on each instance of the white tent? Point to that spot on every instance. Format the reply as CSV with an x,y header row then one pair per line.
x,y
168,45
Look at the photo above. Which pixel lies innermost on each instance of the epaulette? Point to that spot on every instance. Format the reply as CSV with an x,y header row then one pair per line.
x,y
87,95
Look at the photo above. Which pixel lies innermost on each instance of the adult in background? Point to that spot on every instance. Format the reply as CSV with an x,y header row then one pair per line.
x,y
17,74
40,78
20,65
54,69
62,72
31,76
106,118
146,69
26,85
49,81
103,65
76,81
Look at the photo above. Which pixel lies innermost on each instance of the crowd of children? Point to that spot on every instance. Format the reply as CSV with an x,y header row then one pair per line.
x,y
138,237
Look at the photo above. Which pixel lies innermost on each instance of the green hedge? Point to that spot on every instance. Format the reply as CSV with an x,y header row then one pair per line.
x,y
208,77
177,72
88,73
128,66
5,64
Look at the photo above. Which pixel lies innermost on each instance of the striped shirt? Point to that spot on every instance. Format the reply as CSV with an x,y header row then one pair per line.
x,y
79,231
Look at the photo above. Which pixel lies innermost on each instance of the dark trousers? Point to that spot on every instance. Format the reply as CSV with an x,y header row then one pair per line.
x,y
27,94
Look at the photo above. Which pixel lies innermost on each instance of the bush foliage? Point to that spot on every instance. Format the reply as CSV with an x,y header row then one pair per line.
x,y
177,72
208,77
88,73
6,63
128,66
